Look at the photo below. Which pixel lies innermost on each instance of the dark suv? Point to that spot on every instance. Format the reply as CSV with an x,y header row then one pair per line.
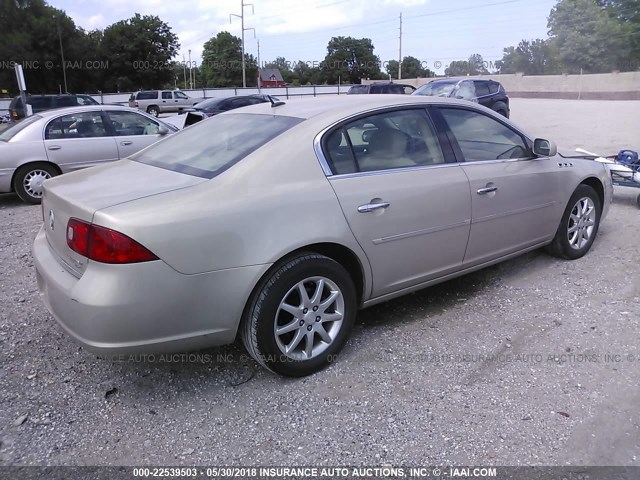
x,y
489,93
381,87
39,103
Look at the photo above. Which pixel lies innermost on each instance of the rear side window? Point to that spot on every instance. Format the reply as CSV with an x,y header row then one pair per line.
x,y
147,95
17,127
390,140
357,89
395,89
40,103
494,87
482,89
209,148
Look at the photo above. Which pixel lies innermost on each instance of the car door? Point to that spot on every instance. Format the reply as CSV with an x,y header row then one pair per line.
x,y
79,140
514,195
167,102
133,131
181,100
408,208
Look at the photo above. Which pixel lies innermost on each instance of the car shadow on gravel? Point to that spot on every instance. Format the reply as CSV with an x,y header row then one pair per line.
x,y
230,366
11,200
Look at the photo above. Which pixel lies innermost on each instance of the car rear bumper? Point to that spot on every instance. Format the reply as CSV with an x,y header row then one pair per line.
x,y
144,307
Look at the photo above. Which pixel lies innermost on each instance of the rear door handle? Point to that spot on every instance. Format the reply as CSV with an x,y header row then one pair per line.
x,y
372,207
54,147
126,142
485,190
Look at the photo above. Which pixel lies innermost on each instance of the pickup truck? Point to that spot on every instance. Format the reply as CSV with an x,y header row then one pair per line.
x,y
155,102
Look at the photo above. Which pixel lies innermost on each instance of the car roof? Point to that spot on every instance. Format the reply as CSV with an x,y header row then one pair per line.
x,y
84,108
343,105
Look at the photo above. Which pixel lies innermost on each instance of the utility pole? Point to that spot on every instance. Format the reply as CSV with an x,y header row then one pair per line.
x,y
400,51
64,68
190,72
184,71
241,16
259,66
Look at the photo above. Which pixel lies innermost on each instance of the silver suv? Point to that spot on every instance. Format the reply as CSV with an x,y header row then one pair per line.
x,y
155,102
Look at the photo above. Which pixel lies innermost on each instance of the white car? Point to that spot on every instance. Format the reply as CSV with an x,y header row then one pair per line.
x,y
59,141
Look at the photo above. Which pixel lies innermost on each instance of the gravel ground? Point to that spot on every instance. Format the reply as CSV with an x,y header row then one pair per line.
x,y
411,386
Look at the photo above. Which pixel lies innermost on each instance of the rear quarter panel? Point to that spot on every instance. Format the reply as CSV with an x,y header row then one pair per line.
x,y
267,205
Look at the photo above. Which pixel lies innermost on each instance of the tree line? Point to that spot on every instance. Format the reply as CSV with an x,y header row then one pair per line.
x,y
591,36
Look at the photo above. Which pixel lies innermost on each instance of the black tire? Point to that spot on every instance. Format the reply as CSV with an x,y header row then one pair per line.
x,y
262,314
33,172
561,246
153,110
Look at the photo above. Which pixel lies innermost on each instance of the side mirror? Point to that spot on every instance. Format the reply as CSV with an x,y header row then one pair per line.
x,y
544,148
162,130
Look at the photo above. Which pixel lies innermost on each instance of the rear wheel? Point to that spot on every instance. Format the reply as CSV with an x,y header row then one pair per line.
x,y
300,316
27,182
153,110
579,225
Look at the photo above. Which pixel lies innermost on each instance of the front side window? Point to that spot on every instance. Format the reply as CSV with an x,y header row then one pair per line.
x,y
130,123
76,125
465,90
180,95
482,89
389,140
436,89
85,100
481,137
206,149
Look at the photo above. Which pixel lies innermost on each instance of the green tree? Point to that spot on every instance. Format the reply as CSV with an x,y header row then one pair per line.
x,y
411,68
535,57
627,12
139,51
349,60
474,65
587,37
222,62
31,34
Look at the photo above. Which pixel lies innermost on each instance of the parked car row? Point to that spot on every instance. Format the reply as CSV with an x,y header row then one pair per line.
x,y
62,140
195,240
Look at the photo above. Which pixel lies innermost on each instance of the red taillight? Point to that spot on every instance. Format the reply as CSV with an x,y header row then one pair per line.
x,y
136,104
104,245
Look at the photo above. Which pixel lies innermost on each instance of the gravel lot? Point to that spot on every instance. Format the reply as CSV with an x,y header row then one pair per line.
x,y
410,386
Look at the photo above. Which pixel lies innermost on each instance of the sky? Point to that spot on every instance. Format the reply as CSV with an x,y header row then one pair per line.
x,y
434,31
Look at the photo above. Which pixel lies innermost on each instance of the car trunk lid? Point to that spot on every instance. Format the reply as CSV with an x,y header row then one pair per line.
x,y
80,194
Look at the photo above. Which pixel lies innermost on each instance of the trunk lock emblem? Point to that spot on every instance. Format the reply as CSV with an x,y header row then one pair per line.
x,y
52,219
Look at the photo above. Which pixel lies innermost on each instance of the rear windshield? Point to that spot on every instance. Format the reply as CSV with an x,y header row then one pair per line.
x,y
16,127
208,148
436,89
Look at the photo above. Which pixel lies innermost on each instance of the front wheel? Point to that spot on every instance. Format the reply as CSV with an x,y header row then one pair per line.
x,y
300,316
28,179
579,225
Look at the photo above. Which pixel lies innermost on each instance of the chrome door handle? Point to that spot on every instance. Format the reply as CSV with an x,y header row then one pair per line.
x,y
54,147
485,190
371,207
126,142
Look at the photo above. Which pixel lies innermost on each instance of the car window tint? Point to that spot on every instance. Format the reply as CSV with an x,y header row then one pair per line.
x,y
206,149
397,139
40,103
85,100
339,153
131,123
180,95
481,137
494,87
66,102
166,95
482,89
76,125
148,95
